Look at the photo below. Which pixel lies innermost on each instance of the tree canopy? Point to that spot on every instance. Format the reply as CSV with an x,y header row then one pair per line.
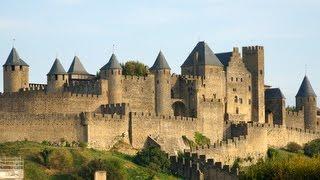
x,y
134,68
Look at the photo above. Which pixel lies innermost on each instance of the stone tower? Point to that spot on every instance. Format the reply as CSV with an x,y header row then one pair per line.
x,y
57,77
253,57
306,99
112,71
161,71
276,105
15,73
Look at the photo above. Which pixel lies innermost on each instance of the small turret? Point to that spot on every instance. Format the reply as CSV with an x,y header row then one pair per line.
x,y
57,77
77,71
306,99
112,71
15,73
161,71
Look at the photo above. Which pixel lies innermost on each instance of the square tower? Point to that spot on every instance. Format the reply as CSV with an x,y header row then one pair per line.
x,y
253,57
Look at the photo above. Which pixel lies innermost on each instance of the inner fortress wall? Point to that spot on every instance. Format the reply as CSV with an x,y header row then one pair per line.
x,y
50,127
39,102
139,92
254,145
295,119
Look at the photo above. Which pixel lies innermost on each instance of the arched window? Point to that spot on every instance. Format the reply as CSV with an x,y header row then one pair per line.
x,y
236,99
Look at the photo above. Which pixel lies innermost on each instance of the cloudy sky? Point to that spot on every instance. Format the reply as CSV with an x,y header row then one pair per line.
x,y
288,29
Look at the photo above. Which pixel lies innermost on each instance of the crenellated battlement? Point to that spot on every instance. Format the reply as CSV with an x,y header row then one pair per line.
x,y
137,78
194,166
99,116
155,116
119,108
295,113
252,49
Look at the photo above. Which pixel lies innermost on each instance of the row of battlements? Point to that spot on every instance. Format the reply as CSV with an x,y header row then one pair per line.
x,y
107,116
295,113
193,166
252,48
137,78
118,108
156,116
308,131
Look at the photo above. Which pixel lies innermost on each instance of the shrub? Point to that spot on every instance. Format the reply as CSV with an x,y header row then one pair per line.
x,y
201,140
293,147
45,156
112,167
153,158
83,144
312,148
60,159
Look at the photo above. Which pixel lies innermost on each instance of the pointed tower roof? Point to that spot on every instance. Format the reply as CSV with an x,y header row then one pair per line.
x,y
112,64
305,89
14,59
76,67
160,63
205,56
57,68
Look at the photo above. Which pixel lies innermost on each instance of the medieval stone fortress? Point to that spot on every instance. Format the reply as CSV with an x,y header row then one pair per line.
x,y
221,95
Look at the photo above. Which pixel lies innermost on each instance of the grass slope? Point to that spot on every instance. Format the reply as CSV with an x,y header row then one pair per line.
x,y
80,156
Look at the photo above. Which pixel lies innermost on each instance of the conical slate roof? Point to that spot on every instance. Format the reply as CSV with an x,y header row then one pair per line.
x,y
76,67
306,89
14,59
57,68
205,56
112,64
160,63
274,93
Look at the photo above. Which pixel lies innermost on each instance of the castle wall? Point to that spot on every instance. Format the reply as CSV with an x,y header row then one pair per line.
x,y
168,130
105,130
255,143
50,127
277,108
39,102
139,92
295,119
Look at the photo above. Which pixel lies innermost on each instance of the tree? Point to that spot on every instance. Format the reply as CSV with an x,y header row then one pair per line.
x,y
153,158
201,140
134,68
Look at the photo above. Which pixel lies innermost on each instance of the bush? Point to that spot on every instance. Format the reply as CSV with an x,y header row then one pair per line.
x,y
201,140
312,148
188,142
293,147
112,167
153,158
83,144
60,159
45,156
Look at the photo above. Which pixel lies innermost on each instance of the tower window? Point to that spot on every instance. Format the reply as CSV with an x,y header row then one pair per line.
x,y
237,79
234,89
249,87
56,77
236,99
249,102
231,78
240,99
62,77
12,68
237,110
261,72
20,68
241,79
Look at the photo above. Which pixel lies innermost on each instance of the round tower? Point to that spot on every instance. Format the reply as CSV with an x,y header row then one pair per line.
x,y
161,71
306,99
112,71
15,73
57,77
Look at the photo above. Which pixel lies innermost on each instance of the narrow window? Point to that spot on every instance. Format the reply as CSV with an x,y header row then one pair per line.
x,y
231,78
62,77
20,68
249,87
236,79
237,110
56,77
240,99
236,99
249,101
241,79
261,72
12,68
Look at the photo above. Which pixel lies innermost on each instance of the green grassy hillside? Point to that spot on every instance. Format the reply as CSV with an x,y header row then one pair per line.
x,y
72,158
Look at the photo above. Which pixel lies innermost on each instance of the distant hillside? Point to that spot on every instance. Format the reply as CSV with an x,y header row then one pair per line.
x,y
66,162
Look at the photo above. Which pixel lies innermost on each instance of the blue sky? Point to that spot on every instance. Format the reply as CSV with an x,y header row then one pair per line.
x,y
288,29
